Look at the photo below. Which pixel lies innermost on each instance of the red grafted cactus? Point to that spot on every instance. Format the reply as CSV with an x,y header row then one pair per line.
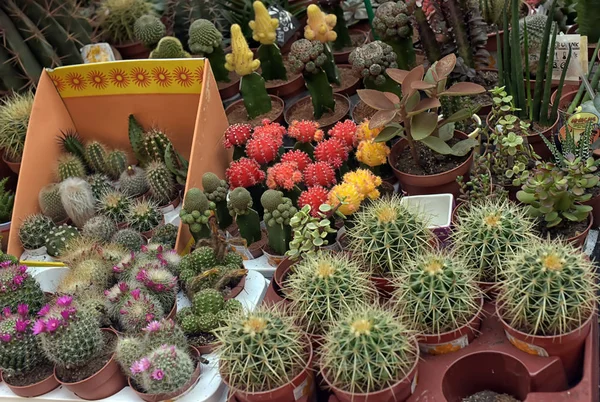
x,y
346,132
268,127
244,173
298,156
319,174
284,175
305,131
263,148
333,151
315,197
236,135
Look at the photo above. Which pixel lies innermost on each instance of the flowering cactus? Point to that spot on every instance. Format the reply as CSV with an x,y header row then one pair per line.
x,y
346,132
365,182
166,369
244,172
17,286
236,136
333,151
314,197
319,174
161,284
320,27
297,156
372,154
263,148
348,195
138,309
263,30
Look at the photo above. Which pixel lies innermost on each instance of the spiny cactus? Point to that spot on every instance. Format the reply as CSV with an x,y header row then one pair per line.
x,y
550,289
165,234
164,370
536,24
14,120
160,181
199,260
169,47
114,205
138,310
236,136
240,208
78,200
100,228
487,233
278,212
319,174
93,273
154,145
195,213
129,238
50,203
116,163
205,39
215,190
372,60
373,338
207,301
261,350
17,286
95,156
218,277
133,181
386,234
149,29
143,215
392,24
165,331
161,284
69,165
58,238
100,184
208,312
491,11
244,172
72,143
33,231
119,17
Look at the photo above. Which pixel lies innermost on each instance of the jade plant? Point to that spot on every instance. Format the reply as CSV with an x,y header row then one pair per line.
x,y
279,210
320,27
372,61
392,24
215,190
264,31
205,39
143,215
550,289
311,230
14,120
119,17
196,212
17,286
149,30
33,231
240,207
252,85
419,117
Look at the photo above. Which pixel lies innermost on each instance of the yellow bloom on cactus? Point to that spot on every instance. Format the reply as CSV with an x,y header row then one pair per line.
x,y
263,26
319,25
365,182
241,59
365,133
372,153
348,194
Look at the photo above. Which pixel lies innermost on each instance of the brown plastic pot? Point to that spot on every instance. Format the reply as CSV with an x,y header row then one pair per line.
x,y
173,312
490,289
171,206
579,240
350,90
133,50
237,289
398,392
274,99
280,274
568,347
342,56
385,286
594,202
15,167
229,89
341,101
106,382
287,89
33,390
429,184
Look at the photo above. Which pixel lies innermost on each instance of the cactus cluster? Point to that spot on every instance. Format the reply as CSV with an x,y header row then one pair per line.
x,y
51,204
161,283
196,212
216,190
119,18
247,219
161,183
208,312
113,204
90,275
58,239
33,231
169,47
165,234
69,165
129,239
298,157
133,181
307,56
278,212
372,60
100,228
263,148
78,200
17,286
149,30
392,24
100,184
536,24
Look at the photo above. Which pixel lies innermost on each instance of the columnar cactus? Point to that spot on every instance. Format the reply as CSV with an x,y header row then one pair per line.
x,y
372,60
161,183
78,200
50,203
114,204
133,181
392,24
149,29
278,212
154,145
264,31
100,228
17,286
69,165
240,208
165,234
215,190
195,213
143,215
58,238
33,231
95,156
164,370
129,238
119,18
116,163
205,39
100,184
536,24
169,47
320,27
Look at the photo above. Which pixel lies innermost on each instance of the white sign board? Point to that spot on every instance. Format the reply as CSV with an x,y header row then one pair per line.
x,y
579,57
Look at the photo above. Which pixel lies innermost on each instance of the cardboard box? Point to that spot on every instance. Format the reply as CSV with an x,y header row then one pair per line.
x,y
179,96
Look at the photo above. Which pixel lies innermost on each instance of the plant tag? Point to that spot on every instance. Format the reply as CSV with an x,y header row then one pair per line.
x,y
579,56
446,347
288,24
305,389
97,53
526,347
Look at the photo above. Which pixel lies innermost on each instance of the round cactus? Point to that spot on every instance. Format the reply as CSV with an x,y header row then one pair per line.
x,y
284,175
307,56
95,156
204,37
114,205
133,181
263,148
314,197
372,338
387,234
197,261
164,370
58,238
169,47
305,131
100,184
149,29
18,287
319,174
240,201
195,200
207,301
162,332
165,234
138,310
190,323
208,322
244,173
50,203
161,284
392,21
143,215
116,163
237,134
33,231
300,158
161,183
78,200
128,238
372,60
100,228
215,189
332,151
69,166
129,349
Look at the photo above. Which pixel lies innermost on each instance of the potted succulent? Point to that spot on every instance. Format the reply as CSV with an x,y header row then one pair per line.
x,y
279,210
437,295
161,186
253,238
392,24
23,288
425,140
33,232
479,185
320,27
14,120
196,212
216,191
374,339
149,30
247,173
118,19
144,216
7,200
114,205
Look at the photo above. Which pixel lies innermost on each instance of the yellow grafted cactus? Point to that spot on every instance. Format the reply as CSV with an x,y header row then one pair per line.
x,y
365,133
365,182
349,195
241,59
263,26
372,153
320,25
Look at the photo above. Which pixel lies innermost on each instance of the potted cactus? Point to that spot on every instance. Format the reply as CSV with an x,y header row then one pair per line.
x,y
169,47
236,137
117,25
33,232
216,190
196,212
436,294
278,212
144,216
320,27
114,205
374,339
248,222
58,238
100,228
129,239
78,200
247,173
149,30
392,24
7,201
23,288
132,308
161,186
14,120
264,355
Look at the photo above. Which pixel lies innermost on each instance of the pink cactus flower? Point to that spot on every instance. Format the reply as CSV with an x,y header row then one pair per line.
x,y
6,311
64,301
5,337
39,327
44,310
23,310
52,324
21,325
158,374
140,366
136,294
152,326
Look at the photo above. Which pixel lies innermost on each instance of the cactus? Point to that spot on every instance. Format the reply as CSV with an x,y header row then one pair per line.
x,y
72,143
371,61
149,29
78,200
160,181
143,215
320,27
332,151
176,164
215,190
261,350
387,234
154,143
252,85
392,24
50,203
287,177
136,139
264,31
217,277
365,182
550,289
33,231
207,301
95,156
244,172
278,212
100,228
69,165
133,181
128,350
587,20
319,174
373,338
195,213
240,208
536,24
205,39
93,273
100,184
264,148
165,370
491,11
236,136
114,205
128,238
300,158
169,47
165,234
314,197
199,260
138,310
161,284
487,233
7,200
14,120
116,163
119,18
17,286
58,238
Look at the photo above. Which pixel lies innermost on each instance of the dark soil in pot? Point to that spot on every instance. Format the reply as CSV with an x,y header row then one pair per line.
x,y
303,110
236,112
567,231
201,339
40,373
358,38
76,374
490,396
278,87
350,81
431,162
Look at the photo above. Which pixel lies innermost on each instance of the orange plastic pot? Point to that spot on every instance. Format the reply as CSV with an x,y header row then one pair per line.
x,y
15,167
33,390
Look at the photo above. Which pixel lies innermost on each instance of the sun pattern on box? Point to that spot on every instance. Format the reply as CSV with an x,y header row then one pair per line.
x,y
177,76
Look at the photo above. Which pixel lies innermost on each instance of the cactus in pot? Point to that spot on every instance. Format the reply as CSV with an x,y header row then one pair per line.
x,y
205,39
69,165
50,203
116,163
166,369
320,27
264,31
169,47
160,182
95,156
58,239
392,25
143,215
72,143
114,204
240,208
165,234
195,213
129,238
14,120
78,200
138,309
236,137
100,184
133,181
149,30
117,23
17,286
216,190
33,231
278,212
372,60
161,284
100,228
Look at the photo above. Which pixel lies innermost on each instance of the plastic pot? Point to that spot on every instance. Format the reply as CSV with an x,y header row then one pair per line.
x,y
133,50
287,89
385,286
350,90
229,89
341,102
274,100
579,240
237,289
171,206
280,274
13,166
341,57
33,390
593,202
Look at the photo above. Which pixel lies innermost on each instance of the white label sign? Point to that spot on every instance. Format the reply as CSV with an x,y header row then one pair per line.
x,y
579,57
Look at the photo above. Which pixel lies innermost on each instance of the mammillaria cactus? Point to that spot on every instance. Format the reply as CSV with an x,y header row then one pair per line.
x,y
252,86
129,238
208,312
50,203
320,27
161,284
58,238
387,234
195,213
264,148
100,184
133,181
93,273
143,215
165,234
164,370
95,156
245,173
17,286
264,31
307,240
372,60
236,136
119,17
33,231
261,350
392,24
550,289
116,163
160,182
491,11
373,338
114,204
205,39
278,212
69,166
487,233
332,151
169,47
199,260
138,309
436,292
247,219
536,24
149,29
100,228
14,118
215,190
78,200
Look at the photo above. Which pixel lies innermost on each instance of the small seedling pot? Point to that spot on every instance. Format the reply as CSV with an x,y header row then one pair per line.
x,y
133,50
33,390
15,167
237,289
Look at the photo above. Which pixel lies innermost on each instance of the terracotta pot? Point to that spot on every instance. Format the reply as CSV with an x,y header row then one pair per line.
x,y
340,101
280,273
594,202
4,232
237,289
33,390
173,311
106,382
287,89
429,184
451,341
171,395
341,57
206,349
568,347
301,388
230,89
398,392
351,90
171,206
122,225
133,50
13,166
579,240
274,99
490,289
384,286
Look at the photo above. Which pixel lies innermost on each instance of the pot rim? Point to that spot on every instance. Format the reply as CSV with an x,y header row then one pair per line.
x,y
286,83
274,98
335,94
30,385
9,162
549,129
468,325
354,30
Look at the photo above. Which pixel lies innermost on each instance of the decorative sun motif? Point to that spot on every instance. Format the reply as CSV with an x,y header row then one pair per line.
x,y
161,76
140,76
97,79
200,74
76,81
118,78
183,76
58,82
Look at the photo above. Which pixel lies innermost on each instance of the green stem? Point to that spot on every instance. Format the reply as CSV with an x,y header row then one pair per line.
x,y
271,63
543,117
223,216
293,195
280,237
539,76
527,73
430,45
254,93
321,92
554,112
249,225
306,147
388,86
499,61
333,74
343,36
217,64
508,78
517,61
405,53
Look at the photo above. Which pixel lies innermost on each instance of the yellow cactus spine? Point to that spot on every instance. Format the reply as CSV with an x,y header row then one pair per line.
x,y
241,59
320,25
263,26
